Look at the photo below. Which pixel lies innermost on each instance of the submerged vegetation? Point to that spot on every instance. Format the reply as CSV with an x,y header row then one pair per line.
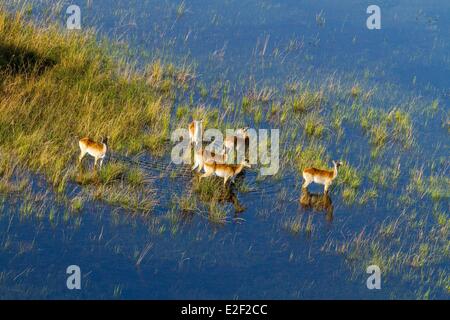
x,y
58,86
423,262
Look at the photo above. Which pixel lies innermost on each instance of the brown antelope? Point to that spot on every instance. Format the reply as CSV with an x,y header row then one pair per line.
x,y
201,156
319,176
95,149
225,171
238,139
196,132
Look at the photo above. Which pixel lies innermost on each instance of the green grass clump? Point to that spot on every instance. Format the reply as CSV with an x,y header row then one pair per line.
x,y
111,172
203,90
349,195
216,213
257,116
246,104
437,187
371,194
379,176
141,201
186,202
355,91
182,112
383,127
385,175
295,225
135,177
435,105
350,176
76,204
421,255
401,122
313,155
306,101
314,126
207,188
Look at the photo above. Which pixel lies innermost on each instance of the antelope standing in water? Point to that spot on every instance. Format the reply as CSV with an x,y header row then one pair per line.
x,y
319,176
226,171
201,156
95,149
238,139
196,132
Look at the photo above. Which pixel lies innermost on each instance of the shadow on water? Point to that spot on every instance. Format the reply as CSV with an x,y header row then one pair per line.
x,y
19,60
319,202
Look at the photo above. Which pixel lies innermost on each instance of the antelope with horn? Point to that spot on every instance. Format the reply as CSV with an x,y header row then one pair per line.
x,y
238,139
201,155
319,176
196,132
225,171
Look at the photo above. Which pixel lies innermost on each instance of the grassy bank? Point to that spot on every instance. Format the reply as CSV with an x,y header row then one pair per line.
x,y
58,86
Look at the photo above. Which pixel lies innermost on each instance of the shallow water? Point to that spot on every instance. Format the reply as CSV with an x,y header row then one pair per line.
x,y
252,255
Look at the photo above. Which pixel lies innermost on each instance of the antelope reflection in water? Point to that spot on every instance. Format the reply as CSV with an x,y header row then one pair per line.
x,y
225,194
230,196
320,202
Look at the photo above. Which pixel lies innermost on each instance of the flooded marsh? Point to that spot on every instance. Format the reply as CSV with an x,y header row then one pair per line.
x,y
145,227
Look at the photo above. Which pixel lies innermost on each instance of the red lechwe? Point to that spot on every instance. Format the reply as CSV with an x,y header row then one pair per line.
x,y
196,132
202,155
95,149
319,176
238,139
225,171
